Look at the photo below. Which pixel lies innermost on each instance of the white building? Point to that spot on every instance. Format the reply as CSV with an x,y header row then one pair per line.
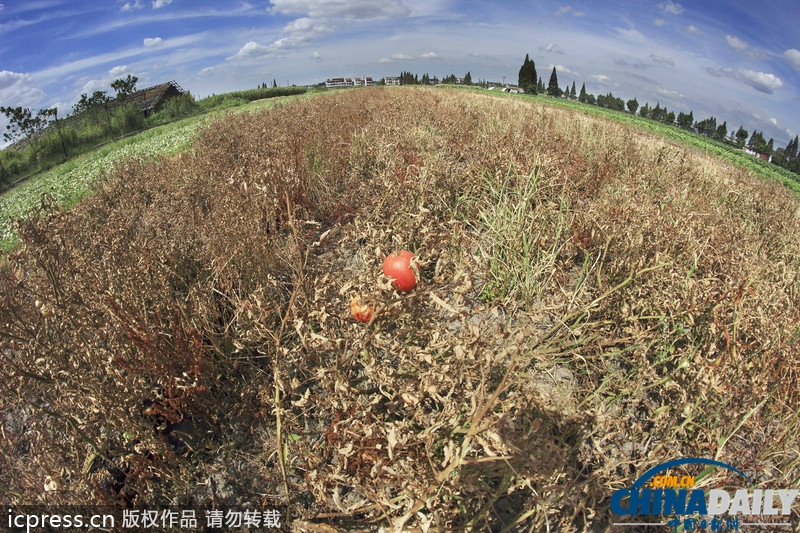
x,y
349,82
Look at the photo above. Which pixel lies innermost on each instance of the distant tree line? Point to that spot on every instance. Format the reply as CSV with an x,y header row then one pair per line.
x,y
529,81
409,78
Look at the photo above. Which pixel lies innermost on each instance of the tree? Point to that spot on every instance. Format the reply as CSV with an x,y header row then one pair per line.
x,y
527,76
685,121
274,83
582,96
707,127
552,86
407,78
468,78
757,142
657,113
572,92
722,131
632,105
125,87
741,136
53,112
22,123
644,111
92,105
791,149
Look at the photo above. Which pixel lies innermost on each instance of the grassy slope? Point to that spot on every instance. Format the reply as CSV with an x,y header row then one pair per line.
x,y
593,301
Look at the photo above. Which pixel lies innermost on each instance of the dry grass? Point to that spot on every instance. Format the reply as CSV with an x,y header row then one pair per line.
x,y
593,302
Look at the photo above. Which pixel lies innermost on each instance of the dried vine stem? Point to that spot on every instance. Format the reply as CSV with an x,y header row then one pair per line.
x,y
278,338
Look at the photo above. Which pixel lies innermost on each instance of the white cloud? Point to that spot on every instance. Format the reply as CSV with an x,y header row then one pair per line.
x,y
738,44
774,121
552,48
760,81
128,6
152,42
766,83
157,4
561,69
793,57
404,57
62,107
429,55
351,9
119,70
321,17
673,8
568,9
315,55
303,30
660,22
9,78
251,49
631,35
669,93
94,85
602,78
694,30
663,60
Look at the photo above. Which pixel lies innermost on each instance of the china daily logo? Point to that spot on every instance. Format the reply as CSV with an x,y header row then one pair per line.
x,y
657,493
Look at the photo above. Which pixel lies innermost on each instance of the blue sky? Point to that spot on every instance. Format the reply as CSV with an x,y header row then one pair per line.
x,y
736,60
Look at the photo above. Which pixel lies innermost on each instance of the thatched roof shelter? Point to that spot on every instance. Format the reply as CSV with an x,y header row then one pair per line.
x,y
153,98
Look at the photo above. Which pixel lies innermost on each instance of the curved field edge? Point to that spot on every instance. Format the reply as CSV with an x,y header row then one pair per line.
x,y
591,302
686,138
66,184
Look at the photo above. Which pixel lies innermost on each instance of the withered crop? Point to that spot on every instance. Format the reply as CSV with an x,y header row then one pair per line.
x,y
594,300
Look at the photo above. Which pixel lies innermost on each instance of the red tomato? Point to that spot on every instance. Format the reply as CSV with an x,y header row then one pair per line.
x,y
399,266
361,310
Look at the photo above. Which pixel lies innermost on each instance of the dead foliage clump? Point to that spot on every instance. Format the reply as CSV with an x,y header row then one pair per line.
x,y
593,301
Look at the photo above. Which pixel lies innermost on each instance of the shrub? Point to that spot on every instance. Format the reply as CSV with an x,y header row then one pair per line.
x,y
127,118
176,108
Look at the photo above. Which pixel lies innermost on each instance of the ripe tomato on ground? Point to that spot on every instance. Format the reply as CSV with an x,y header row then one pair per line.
x,y
400,266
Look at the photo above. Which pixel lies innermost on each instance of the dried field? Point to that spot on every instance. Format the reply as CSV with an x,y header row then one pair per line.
x,y
594,301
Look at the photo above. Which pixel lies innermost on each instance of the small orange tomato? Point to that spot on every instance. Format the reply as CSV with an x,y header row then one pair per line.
x,y
361,310
400,266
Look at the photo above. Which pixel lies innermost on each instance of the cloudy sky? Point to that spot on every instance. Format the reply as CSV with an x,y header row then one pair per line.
x,y
736,60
